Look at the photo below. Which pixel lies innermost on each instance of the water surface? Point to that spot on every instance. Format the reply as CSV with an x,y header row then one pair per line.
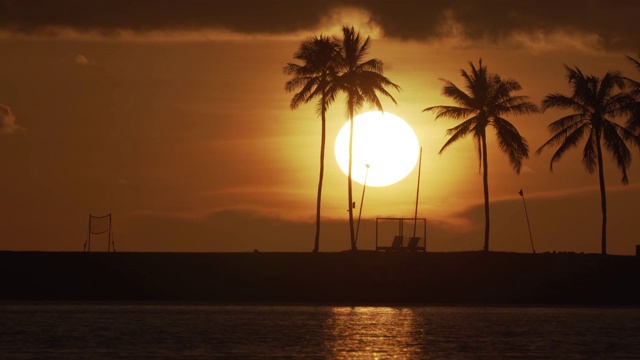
x,y
113,331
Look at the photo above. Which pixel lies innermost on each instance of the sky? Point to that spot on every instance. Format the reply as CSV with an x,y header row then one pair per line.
x,y
172,116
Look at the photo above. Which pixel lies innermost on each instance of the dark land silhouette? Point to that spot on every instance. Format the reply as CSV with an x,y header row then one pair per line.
x,y
335,278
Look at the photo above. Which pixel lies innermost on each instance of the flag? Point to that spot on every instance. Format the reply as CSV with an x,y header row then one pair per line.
x,y
521,192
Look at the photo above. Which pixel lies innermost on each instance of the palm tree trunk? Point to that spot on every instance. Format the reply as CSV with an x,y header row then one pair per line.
x,y
485,180
603,196
316,246
350,179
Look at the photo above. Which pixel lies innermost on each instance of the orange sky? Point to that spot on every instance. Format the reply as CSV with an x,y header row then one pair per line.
x,y
175,119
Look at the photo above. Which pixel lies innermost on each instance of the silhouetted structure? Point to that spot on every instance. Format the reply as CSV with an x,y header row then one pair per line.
x,y
413,244
415,213
100,225
526,214
364,188
396,244
416,243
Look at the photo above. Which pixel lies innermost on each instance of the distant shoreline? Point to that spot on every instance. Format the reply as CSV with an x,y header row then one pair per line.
x,y
361,278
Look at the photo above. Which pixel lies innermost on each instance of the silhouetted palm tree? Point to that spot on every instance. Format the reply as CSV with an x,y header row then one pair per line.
x,y
486,101
361,80
634,121
595,103
314,77
635,84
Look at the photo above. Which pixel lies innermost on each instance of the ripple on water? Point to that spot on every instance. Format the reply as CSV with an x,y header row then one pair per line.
x,y
79,331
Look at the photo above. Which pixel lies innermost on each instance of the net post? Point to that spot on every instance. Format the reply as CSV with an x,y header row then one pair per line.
x,y
109,237
89,235
111,246
424,231
377,234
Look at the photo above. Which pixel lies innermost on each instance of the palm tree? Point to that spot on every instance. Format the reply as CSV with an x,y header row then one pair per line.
x,y
487,101
595,103
634,121
314,77
361,80
635,85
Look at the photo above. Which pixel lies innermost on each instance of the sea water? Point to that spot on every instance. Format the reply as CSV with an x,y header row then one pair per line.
x,y
188,331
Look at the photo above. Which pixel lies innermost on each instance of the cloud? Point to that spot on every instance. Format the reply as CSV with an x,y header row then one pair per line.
x,y
81,60
8,121
109,17
611,23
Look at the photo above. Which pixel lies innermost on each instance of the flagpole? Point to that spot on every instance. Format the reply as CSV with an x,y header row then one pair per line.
x,y
366,174
527,216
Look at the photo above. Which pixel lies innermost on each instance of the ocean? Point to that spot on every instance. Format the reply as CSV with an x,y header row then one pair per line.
x,y
201,331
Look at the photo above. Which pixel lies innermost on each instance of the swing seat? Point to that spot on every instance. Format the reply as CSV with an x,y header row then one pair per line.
x,y
396,245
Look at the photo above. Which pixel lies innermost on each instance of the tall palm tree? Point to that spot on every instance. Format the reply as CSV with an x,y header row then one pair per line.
x,y
486,101
314,78
595,103
361,80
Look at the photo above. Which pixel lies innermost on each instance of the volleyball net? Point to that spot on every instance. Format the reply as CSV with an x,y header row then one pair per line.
x,y
101,226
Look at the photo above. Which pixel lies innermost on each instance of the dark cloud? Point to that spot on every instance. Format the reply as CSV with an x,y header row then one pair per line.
x,y
110,16
613,21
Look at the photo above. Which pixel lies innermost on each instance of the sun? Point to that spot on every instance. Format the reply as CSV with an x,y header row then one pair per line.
x,y
385,148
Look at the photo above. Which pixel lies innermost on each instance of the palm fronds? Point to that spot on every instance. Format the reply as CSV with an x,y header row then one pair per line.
x,y
486,99
596,103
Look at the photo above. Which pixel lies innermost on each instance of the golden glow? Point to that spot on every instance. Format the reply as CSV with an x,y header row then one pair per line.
x,y
372,332
382,141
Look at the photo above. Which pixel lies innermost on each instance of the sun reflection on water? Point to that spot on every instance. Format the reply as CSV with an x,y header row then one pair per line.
x,y
378,332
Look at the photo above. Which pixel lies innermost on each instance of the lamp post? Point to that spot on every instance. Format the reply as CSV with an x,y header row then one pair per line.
x,y
366,174
415,214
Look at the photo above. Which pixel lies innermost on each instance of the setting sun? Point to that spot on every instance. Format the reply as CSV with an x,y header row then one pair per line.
x,y
385,148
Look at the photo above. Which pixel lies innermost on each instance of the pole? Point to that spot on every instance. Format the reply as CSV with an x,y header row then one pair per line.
x,y
366,174
109,237
527,216
87,244
415,214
